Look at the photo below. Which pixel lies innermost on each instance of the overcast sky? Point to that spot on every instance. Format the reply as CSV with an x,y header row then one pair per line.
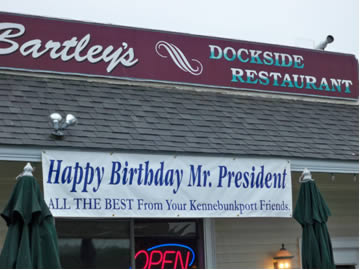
x,y
302,23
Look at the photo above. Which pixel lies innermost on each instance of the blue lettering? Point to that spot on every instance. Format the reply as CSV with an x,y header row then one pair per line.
x,y
66,175
88,203
77,180
125,173
78,174
51,204
212,52
100,175
232,58
297,61
263,78
192,205
255,59
268,60
277,178
77,200
251,77
283,182
246,177
287,80
296,81
89,174
237,179
240,57
179,176
283,60
237,74
253,177
268,180
260,178
159,175
310,82
51,170
132,172
195,175
139,181
149,174
107,203
116,166
222,174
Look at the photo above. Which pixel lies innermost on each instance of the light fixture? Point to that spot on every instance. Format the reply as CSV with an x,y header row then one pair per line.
x,y
59,124
323,44
282,259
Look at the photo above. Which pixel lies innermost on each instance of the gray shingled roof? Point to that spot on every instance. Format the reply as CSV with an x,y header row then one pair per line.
x,y
120,117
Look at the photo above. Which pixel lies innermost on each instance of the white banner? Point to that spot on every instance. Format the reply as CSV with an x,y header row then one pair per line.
x,y
91,184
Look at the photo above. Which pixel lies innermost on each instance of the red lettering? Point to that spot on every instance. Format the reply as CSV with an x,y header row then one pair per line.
x,y
178,258
147,257
151,258
164,258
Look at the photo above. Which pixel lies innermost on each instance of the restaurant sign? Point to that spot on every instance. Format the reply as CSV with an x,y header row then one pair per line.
x,y
50,45
91,184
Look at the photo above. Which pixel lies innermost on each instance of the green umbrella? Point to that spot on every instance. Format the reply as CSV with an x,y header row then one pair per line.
x,y
312,213
31,241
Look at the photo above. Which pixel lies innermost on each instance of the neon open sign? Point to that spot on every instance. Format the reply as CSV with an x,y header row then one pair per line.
x,y
167,256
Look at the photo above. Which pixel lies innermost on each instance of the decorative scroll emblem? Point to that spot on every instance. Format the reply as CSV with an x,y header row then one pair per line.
x,y
179,58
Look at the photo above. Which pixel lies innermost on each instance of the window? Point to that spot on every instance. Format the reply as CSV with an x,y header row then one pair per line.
x,y
94,243
168,244
121,243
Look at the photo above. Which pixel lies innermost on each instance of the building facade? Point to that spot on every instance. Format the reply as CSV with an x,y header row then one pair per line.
x,y
254,121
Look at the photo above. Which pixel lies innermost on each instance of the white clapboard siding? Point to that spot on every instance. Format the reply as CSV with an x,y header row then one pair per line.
x,y
252,242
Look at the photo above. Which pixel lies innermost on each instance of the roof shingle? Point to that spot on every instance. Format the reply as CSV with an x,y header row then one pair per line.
x,y
124,118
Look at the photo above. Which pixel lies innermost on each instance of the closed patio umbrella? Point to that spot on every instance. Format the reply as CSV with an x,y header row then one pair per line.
x,y
312,212
31,240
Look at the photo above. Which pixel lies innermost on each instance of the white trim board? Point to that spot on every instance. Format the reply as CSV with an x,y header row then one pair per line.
x,y
209,243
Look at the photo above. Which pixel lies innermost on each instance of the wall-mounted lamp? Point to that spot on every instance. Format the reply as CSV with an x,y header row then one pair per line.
x,y
59,124
282,259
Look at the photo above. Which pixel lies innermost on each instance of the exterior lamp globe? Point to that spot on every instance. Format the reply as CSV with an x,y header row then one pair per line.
x,y
70,120
282,259
55,119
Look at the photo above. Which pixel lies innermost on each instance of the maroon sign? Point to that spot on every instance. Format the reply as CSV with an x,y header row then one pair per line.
x,y
73,47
